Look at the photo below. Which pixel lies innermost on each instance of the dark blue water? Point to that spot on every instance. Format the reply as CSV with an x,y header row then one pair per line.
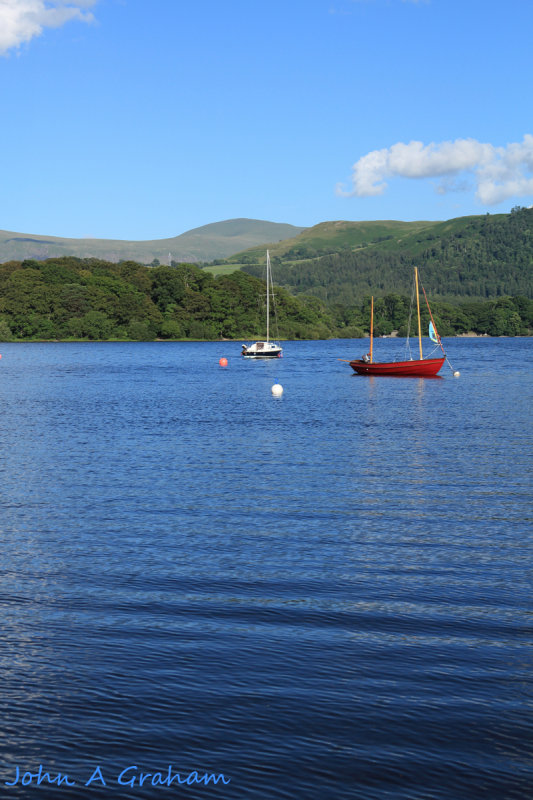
x,y
324,596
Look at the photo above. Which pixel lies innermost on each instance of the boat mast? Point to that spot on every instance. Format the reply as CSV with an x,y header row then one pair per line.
x,y
418,313
371,327
268,294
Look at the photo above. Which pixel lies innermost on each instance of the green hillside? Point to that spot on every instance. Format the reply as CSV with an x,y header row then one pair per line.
x,y
477,271
470,257
215,241
331,237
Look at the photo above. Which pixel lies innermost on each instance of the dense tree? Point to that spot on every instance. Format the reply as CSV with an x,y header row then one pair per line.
x,y
71,298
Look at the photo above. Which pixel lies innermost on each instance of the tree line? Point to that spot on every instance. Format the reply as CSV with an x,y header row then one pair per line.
x,y
71,298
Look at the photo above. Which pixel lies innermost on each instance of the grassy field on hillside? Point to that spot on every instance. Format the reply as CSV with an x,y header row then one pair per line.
x,y
223,269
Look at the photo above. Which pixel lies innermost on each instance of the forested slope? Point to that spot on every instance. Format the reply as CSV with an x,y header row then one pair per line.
x,y
467,258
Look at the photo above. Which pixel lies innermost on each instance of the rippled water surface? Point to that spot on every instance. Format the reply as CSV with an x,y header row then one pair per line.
x,y
322,596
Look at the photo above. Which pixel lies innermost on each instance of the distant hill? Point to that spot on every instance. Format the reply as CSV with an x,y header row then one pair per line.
x,y
207,243
339,262
477,257
332,237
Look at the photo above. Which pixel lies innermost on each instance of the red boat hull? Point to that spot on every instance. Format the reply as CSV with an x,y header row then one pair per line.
x,y
424,368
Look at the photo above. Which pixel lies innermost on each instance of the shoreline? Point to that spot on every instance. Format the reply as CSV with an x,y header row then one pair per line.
x,y
469,335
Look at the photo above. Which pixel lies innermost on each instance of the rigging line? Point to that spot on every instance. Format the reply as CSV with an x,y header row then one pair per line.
x,y
437,333
433,321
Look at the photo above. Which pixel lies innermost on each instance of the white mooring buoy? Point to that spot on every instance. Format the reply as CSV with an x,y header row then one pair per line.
x,y
456,373
277,390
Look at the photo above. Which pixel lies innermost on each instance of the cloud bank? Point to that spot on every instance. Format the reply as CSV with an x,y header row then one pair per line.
x,y
498,172
21,20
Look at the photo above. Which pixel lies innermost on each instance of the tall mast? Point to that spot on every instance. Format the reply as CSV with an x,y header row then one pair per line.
x,y
268,294
371,327
418,313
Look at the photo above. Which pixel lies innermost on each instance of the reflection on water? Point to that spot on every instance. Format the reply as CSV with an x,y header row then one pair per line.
x,y
322,595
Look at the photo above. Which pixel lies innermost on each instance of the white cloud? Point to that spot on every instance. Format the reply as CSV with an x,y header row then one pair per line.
x,y
499,172
21,20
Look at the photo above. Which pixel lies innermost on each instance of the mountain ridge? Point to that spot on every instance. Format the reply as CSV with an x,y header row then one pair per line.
x,y
217,240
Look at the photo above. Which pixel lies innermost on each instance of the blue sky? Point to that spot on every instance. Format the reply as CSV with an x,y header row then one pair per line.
x,y
130,119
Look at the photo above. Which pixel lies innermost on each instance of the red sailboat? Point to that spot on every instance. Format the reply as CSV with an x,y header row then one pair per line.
x,y
422,367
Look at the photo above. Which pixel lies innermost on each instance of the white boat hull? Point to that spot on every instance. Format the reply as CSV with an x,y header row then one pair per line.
x,y
262,350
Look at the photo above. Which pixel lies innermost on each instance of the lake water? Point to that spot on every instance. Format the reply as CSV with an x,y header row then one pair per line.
x,y
325,595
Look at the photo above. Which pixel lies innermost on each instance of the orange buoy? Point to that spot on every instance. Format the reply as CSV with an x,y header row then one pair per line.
x,y
223,362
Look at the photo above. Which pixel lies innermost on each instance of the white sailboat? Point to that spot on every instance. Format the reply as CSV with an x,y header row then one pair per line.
x,y
265,349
